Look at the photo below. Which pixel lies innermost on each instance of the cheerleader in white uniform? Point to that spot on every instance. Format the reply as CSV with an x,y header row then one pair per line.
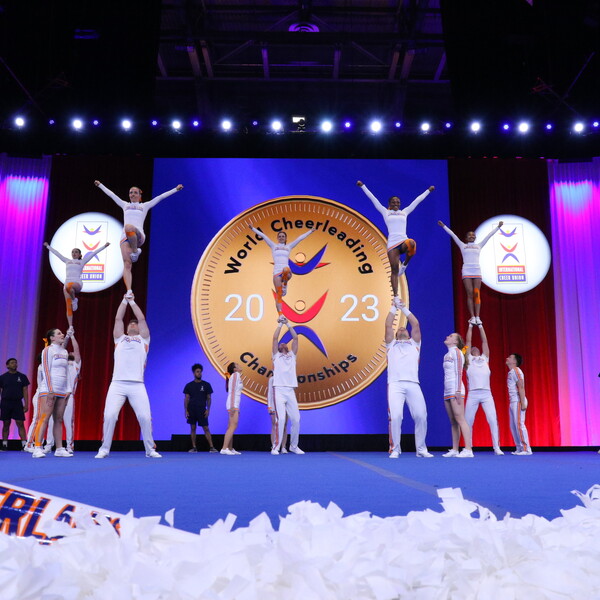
x,y
134,215
480,392
281,255
34,402
73,282
454,395
471,269
274,425
234,387
518,404
398,242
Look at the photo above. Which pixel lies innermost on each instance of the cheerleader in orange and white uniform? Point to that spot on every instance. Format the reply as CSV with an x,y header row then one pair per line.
x,y
398,242
234,387
454,396
281,255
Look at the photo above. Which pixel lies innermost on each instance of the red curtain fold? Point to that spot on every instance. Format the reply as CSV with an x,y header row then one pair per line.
x,y
521,323
72,192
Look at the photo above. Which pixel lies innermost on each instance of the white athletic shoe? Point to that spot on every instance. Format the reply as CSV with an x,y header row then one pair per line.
x,y
38,453
478,321
102,453
74,304
450,454
401,270
62,452
498,452
129,295
424,454
29,449
275,452
47,448
192,450
465,453
153,454
296,450
473,321
396,302
394,454
135,255
235,451
227,451
284,451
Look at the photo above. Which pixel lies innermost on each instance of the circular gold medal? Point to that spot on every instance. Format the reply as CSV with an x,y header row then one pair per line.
x,y
337,299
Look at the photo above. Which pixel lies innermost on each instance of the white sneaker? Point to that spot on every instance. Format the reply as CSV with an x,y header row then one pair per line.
x,y
74,304
235,451
153,454
129,295
527,452
498,452
394,454
424,454
284,451
296,450
401,270
47,448
275,452
102,453
29,449
396,302
465,453
62,452
135,255
472,321
450,454
38,453
227,451
478,321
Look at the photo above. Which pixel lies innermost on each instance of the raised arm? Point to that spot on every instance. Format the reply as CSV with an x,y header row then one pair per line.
x,y
269,242
139,315
451,233
156,200
469,335
76,352
418,200
300,238
90,255
389,324
117,200
55,252
415,327
294,337
119,328
275,347
490,234
485,348
378,206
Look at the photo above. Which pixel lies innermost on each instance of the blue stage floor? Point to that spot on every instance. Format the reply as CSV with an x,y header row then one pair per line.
x,y
206,487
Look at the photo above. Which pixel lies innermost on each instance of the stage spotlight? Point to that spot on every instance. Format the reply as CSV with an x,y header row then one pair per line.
x,y
95,122
505,126
126,124
77,124
226,125
276,126
595,124
196,123
448,125
578,127
475,126
375,126
549,126
254,123
523,127
176,124
326,126
154,122
347,125
398,124
425,127
20,122
51,122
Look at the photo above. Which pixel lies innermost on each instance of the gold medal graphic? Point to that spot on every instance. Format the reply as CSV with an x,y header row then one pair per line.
x,y
337,299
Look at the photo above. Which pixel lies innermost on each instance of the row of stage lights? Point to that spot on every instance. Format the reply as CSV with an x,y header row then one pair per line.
x,y
298,124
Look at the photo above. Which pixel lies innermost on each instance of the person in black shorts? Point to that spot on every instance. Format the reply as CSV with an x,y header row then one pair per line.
x,y
196,405
15,401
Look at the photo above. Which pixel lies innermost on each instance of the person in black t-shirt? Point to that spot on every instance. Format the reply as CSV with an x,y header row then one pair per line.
x,y
196,406
15,401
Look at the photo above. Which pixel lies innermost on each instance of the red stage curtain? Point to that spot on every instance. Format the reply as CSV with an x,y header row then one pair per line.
x,y
72,192
522,323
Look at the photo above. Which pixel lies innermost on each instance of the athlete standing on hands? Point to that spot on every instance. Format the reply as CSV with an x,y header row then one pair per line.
x,y
471,269
134,215
281,255
398,242
73,282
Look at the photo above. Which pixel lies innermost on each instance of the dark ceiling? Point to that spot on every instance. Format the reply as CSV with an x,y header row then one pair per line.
x,y
403,60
